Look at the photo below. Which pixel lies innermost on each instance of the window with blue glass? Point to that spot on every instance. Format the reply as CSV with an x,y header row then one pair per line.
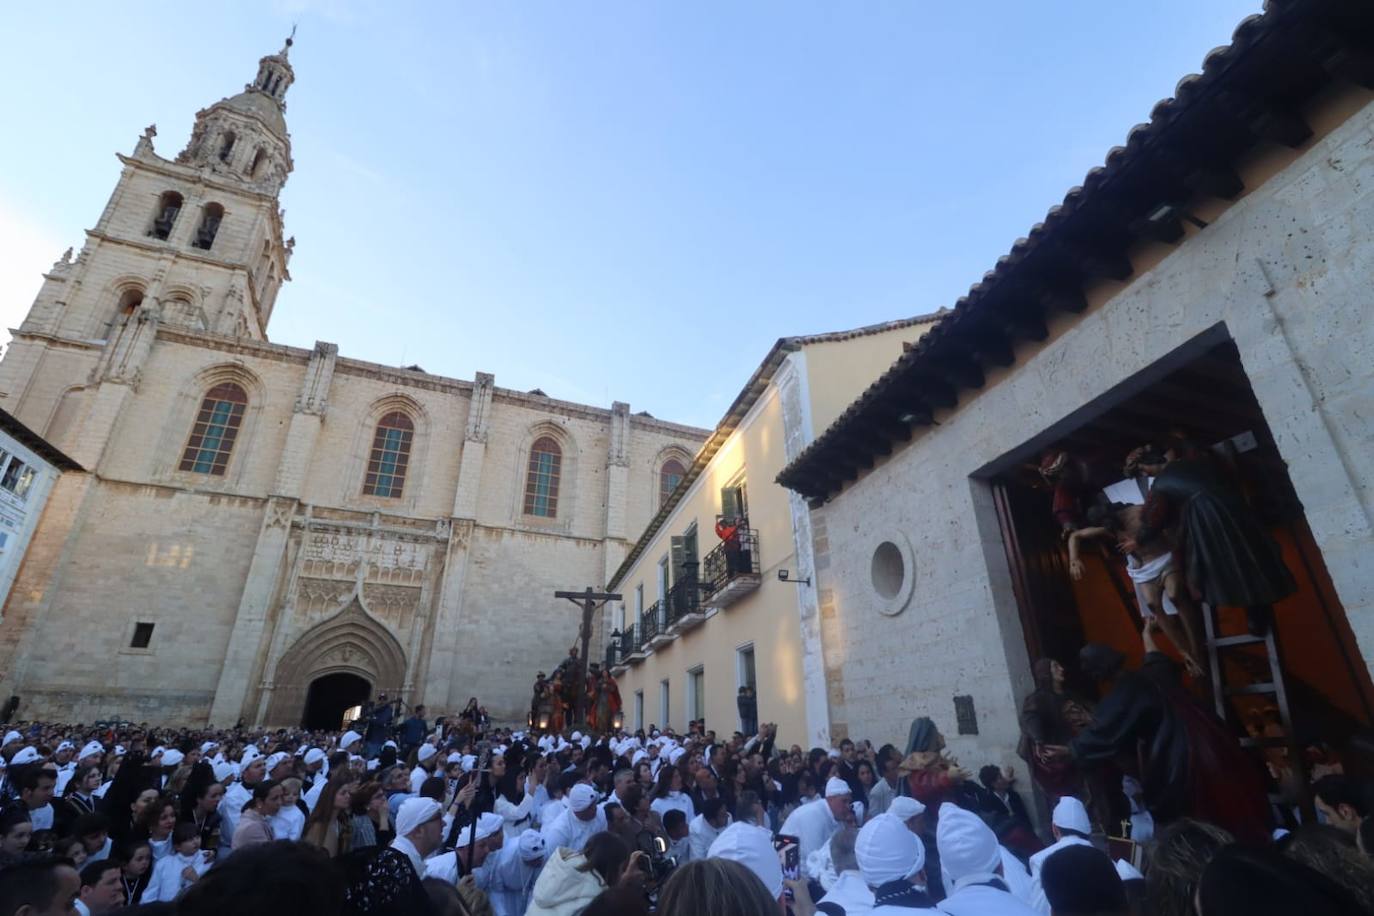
x,y
541,480
386,467
216,428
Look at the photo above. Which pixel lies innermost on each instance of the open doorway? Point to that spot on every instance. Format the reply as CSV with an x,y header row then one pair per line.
x,y
1202,397
330,697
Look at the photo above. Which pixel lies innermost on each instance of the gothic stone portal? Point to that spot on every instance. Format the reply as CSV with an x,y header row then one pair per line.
x,y
350,642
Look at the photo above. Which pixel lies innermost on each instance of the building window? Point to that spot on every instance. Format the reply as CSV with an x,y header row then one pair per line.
x,y
665,706
168,206
541,481
386,468
259,159
18,477
669,476
747,677
211,216
226,148
696,694
217,425
639,709
143,635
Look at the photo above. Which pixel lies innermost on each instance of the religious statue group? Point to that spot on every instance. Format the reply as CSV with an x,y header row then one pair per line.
x,y
555,705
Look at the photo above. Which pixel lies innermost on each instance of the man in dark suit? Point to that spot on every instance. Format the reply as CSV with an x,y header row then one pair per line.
x,y
1001,800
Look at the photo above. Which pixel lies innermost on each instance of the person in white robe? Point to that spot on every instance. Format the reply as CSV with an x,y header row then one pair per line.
x,y
419,831
583,818
892,861
252,768
847,888
1070,827
751,847
468,855
815,822
707,825
514,870
181,868
971,867
426,759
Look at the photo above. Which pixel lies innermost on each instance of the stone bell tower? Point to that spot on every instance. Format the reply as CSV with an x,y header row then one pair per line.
x,y
193,243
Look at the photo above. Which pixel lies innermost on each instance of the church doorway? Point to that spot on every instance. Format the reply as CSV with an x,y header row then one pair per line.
x,y
330,697
1200,400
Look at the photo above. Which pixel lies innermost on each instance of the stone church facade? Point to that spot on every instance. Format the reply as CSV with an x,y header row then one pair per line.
x,y
253,517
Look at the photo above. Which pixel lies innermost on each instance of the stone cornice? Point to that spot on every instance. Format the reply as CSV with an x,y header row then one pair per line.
x,y
199,176
240,346
164,248
69,343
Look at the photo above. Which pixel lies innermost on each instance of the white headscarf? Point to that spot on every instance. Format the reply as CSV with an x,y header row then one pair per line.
x,y
888,851
751,847
414,812
581,797
835,787
968,848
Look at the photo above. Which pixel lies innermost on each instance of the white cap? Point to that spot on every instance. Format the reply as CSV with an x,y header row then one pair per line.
x,y
64,746
469,762
425,752
835,787
1125,870
205,748
250,757
415,811
92,749
581,797
969,853
276,759
532,846
675,755
223,770
11,737
487,825
171,757
389,743
577,736
454,757
888,851
1070,814
905,807
751,847
26,755
349,737
313,756
832,753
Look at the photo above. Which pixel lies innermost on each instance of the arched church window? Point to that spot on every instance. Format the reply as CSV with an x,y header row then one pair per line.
x,y
210,218
386,467
226,147
542,478
129,300
168,206
259,158
216,428
669,476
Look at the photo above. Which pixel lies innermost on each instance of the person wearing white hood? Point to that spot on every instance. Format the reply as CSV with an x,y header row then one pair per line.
x,y
815,822
848,890
892,861
752,847
426,759
1070,827
583,818
468,854
513,872
971,861
252,769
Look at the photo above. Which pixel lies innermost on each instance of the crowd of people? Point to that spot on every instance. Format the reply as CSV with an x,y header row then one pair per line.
x,y
463,818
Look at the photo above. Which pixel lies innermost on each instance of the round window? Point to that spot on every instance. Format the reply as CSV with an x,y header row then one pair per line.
x,y
889,571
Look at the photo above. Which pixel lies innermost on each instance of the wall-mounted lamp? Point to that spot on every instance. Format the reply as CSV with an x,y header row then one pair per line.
x,y
785,576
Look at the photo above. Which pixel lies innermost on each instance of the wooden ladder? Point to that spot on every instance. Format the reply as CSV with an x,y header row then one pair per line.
x,y
1222,691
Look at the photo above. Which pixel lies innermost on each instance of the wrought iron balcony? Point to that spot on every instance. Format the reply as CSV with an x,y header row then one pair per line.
x,y
731,570
684,609
655,632
632,645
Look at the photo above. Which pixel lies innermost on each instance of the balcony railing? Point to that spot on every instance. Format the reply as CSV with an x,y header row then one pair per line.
x,y
684,602
655,631
731,570
632,645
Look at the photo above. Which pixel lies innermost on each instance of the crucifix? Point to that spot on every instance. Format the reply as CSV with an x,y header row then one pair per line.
x,y
589,600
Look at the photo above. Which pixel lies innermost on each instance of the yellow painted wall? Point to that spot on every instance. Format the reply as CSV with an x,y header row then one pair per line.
x,y
839,371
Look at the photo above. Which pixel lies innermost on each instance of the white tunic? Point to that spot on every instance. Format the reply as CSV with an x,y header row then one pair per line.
x,y
981,900
568,831
230,808
167,881
518,818
1038,901
813,825
702,835
289,823
850,892
1017,878
41,818
679,800
511,881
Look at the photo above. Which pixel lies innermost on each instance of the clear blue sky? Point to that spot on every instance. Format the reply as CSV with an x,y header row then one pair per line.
x,y
610,200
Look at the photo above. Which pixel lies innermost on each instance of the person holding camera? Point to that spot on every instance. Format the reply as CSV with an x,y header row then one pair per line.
x,y
571,880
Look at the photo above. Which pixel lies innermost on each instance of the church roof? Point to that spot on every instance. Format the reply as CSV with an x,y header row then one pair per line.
x,y
40,446
1248,92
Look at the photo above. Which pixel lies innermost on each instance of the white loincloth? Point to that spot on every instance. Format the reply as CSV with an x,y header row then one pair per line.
x,y
1144,573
